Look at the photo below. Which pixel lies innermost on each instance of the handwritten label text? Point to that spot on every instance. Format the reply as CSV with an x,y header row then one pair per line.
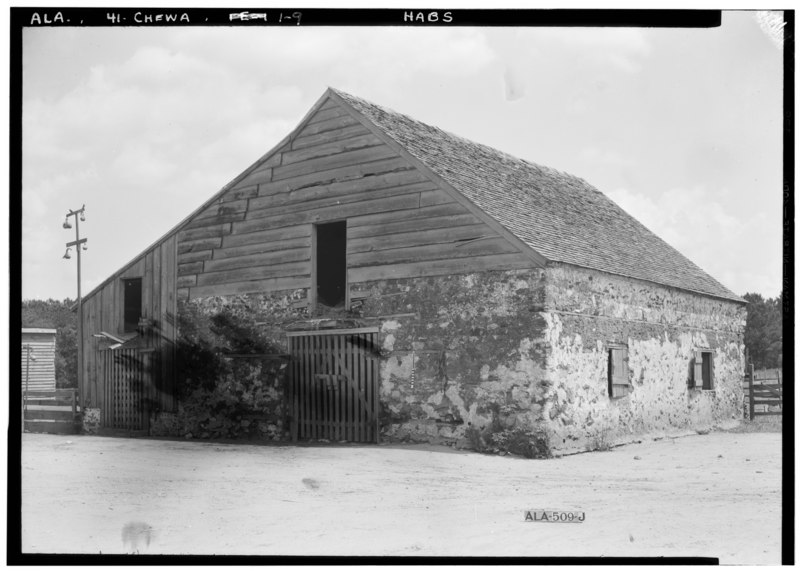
x,y
427,17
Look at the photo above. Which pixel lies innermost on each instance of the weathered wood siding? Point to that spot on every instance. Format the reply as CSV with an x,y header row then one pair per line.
x,y
40,370
103,311
256,237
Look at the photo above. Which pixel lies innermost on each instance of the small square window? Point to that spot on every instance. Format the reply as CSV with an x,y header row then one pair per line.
x,y
618,383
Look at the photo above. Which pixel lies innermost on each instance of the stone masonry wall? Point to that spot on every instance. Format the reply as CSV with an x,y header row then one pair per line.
x,y
457,351
662,327
461,351
527,349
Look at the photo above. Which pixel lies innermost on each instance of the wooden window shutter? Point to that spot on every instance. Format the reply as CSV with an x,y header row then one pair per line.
x,y
625,364
611,364
618,382
711,368
697,370
620,369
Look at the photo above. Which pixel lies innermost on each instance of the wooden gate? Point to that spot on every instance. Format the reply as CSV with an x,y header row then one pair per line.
x,y
334,385
763,392
128,389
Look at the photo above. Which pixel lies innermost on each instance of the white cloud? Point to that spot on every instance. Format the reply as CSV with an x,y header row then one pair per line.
x,y
605,156
391,55
161,69
744,255
146,134
626,40
622,49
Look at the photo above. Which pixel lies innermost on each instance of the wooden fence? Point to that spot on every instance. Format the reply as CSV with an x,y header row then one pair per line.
x,y
53,411
763,392
129,389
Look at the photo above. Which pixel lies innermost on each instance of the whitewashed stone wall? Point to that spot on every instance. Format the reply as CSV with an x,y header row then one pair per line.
x,y
586,310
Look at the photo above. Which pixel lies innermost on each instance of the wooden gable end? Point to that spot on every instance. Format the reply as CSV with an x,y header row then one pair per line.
x,y
257,235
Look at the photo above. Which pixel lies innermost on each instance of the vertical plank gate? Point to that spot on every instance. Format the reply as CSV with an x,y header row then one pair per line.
x,y
128,388
763,392
334,385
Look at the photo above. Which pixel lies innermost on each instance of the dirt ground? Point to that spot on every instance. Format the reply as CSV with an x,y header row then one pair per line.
x,y
714,495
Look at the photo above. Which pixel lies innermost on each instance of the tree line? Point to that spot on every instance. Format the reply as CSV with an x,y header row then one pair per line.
x,y
763,334
54,314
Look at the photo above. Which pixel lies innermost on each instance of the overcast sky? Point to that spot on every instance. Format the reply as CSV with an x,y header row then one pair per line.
x,y
682,128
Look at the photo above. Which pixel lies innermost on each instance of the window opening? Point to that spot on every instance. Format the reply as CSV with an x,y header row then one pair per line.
x,y
331,263
132,295
704,370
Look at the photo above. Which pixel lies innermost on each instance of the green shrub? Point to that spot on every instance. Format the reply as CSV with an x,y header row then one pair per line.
x,y
475,438
603,439
223,396
528,443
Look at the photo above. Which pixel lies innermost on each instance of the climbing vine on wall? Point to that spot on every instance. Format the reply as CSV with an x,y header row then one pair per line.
x,y
230,376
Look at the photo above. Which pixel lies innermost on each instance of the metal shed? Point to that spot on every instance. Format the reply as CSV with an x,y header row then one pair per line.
x,y
39,371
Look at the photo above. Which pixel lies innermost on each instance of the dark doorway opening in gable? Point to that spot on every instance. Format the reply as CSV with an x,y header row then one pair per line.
x,y
132,294
331,264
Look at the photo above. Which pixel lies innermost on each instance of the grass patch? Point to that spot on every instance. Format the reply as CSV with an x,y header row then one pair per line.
x,y
602,440
748,426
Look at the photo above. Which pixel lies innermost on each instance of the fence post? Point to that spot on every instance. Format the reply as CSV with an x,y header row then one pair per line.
x,y
147,382
752,400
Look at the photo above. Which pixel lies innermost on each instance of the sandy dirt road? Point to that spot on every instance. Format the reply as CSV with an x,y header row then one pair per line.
x,y
715,495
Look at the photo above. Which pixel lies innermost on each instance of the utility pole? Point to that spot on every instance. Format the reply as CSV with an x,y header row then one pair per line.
x,y
80,244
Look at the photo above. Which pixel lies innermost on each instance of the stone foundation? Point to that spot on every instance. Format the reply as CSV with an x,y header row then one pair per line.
x,y
90,420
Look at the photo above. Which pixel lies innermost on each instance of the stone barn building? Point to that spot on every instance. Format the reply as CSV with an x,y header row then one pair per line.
x,y
420,286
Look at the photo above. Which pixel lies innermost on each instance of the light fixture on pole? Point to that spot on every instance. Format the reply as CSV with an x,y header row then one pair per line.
x,y
79,243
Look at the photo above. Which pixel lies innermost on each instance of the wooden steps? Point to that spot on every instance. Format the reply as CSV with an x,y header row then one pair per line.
x,y
52,412
52,426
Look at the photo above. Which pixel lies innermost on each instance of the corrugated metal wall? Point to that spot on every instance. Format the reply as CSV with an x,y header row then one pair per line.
x,y
42,370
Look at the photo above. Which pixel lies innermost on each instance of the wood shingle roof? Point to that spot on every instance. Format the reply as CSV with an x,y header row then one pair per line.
x,y
560,216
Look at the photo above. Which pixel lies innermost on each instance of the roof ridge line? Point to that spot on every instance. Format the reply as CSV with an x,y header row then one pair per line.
x,y
464,139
